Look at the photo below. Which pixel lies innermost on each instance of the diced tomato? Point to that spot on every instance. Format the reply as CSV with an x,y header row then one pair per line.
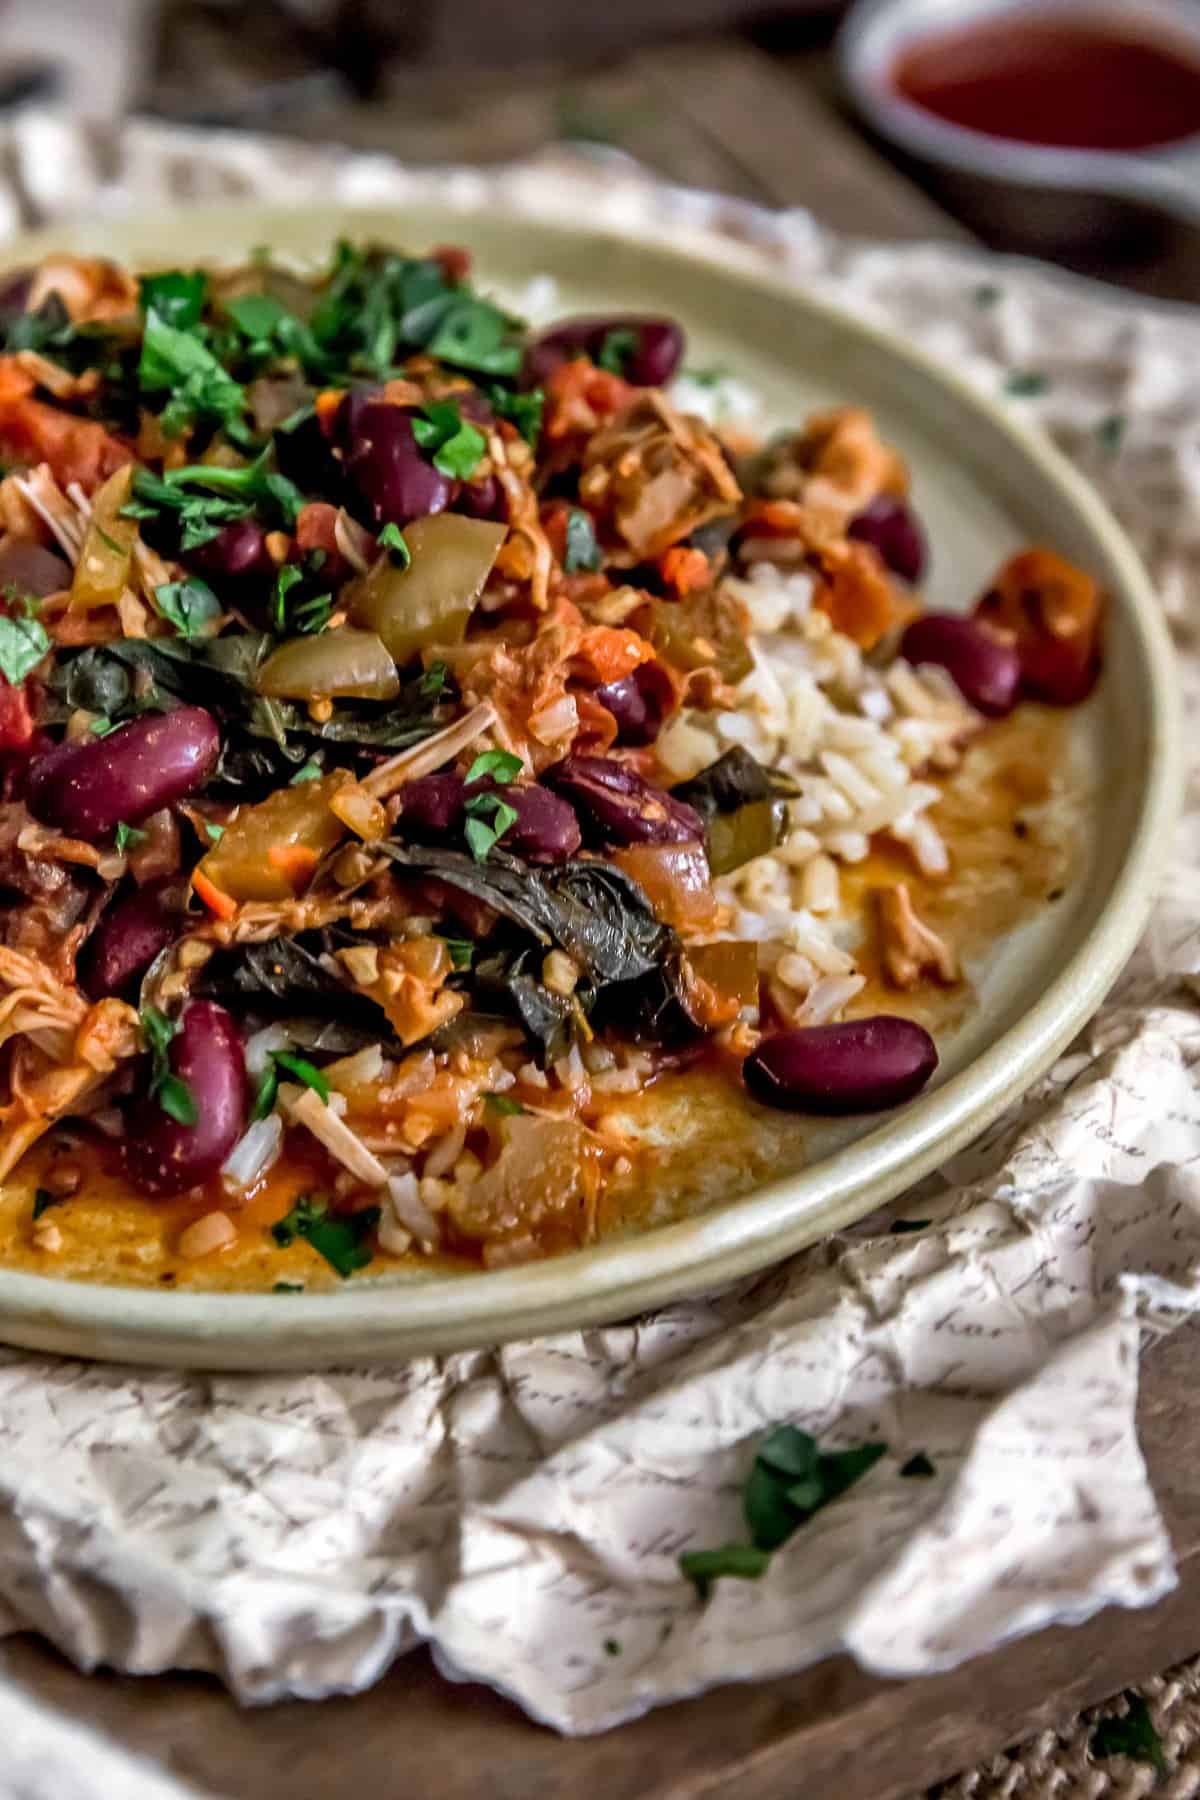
x,y
16,719
453,260
579,397
32,431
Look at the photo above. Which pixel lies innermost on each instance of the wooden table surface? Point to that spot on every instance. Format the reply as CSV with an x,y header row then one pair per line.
x,y
720,114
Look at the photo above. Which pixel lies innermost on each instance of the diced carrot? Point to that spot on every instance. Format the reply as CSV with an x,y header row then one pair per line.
x,y
684,569
326,405
224,905
609,652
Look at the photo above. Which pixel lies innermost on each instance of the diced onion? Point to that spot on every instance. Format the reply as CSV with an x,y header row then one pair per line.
x,y
254,1153
307,1108
259,1047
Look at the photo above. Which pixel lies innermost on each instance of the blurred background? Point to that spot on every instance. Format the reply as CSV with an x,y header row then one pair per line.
x,y
1069,128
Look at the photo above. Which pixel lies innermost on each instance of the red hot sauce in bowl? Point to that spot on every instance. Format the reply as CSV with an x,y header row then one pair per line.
x,y
1082,86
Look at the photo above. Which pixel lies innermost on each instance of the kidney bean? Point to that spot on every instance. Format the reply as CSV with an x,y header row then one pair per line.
x,y
474,405
389,470
163,1157
33,569
238,554
890,526
89,785
305,455
861,1065
639,703
433,804
545,829
620,806
656,353
482,499
129,936
985,670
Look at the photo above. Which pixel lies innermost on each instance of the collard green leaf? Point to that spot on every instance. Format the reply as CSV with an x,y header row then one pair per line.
x,y
509,982
735,780
587,907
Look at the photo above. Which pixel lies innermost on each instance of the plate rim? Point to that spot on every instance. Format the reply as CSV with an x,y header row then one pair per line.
x,y
374,1323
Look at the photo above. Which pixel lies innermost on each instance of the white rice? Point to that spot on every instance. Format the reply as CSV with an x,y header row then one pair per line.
x,y
715,397
855,739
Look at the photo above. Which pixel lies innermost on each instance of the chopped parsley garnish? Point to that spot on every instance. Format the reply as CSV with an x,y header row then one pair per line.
x,y
918,1467
791,1480
475,334
462,951
180,364
522,410
213,831
501,765
338,1238
1111,432
433,682
616,349
177,296
741,1560
126,836
1132,1735
171,1091
224,495
1024,384
307,616
23,643
391,539
488,818
709,377
189,604
302,1071
290,1064
309,771
457,445
43,1200
502,1104
611,1647
266,1094
488,815
582,552
256,315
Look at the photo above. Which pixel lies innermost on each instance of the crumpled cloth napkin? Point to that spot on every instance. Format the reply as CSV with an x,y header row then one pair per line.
x,y
523,1508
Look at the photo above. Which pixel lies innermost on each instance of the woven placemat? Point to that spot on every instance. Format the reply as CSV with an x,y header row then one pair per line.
x,y
1067,1763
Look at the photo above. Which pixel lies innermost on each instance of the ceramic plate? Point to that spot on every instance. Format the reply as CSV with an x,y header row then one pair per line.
x,y
984,486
